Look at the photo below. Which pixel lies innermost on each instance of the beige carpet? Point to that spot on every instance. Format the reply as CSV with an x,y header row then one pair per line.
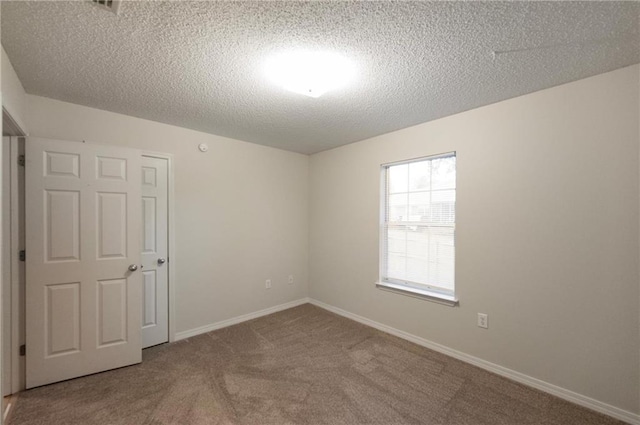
x,y
300,366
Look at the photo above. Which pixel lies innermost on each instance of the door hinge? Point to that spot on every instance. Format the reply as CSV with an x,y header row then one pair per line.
x,y
23,350
21,160
23,255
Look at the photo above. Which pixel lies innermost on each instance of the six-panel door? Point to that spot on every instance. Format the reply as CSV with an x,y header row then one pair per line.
x,y
155,293
83,304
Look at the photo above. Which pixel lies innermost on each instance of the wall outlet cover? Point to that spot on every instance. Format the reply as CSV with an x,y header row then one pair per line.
x,y
483,320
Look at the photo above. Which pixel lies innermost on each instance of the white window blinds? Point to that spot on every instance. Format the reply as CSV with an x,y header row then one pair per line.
x,y
418,223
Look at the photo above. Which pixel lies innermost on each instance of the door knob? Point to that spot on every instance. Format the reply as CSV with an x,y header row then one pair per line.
x,y
161,260
133,267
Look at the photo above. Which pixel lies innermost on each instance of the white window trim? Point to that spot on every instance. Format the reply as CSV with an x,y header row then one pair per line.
x,y
422,294
405,288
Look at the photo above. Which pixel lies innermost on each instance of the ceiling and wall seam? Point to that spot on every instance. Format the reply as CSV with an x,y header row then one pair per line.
x,y
199,65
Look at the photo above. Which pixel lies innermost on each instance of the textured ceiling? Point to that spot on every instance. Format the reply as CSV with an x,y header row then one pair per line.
x,y
199,64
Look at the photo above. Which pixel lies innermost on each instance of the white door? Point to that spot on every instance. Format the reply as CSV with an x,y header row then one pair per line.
x,y
83,297
155,288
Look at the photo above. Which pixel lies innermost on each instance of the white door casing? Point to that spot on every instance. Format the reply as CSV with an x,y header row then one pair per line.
x,y
15,287
83,305
6,266
155,290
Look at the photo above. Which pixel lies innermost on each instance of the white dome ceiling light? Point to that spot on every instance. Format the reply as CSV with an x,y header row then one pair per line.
x,y
310,73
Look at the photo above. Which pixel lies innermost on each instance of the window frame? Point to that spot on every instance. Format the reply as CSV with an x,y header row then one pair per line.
x,y
403,287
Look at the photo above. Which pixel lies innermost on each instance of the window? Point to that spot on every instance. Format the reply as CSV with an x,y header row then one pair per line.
x,y
417,232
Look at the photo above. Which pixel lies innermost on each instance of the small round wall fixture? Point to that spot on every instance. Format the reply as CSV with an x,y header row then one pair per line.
x,y
202,147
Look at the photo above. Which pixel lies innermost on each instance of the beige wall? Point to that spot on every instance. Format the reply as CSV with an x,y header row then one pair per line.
x,y
241,210
14,98
547,234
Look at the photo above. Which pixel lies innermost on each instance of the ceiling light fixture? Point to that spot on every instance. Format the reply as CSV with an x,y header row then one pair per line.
x,y
310,73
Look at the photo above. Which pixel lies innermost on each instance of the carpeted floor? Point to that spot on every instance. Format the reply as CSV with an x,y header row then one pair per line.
x,y
300,366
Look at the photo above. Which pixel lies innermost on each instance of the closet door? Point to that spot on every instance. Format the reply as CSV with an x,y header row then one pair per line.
x,y
155,276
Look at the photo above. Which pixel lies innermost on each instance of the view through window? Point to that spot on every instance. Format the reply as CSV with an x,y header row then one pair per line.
x,y
418,224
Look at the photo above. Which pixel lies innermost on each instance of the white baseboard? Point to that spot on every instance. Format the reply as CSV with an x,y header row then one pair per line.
x,y
6,412
590,403
239,319
11,401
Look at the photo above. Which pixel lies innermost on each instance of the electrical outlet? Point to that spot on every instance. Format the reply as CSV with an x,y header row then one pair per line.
x,y
267,284
483,320
290,279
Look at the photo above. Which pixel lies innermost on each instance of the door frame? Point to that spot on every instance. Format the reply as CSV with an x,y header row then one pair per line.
x,y
171,260
18,373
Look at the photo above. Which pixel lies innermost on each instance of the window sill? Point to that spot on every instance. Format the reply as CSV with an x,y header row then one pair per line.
x,y
422,294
